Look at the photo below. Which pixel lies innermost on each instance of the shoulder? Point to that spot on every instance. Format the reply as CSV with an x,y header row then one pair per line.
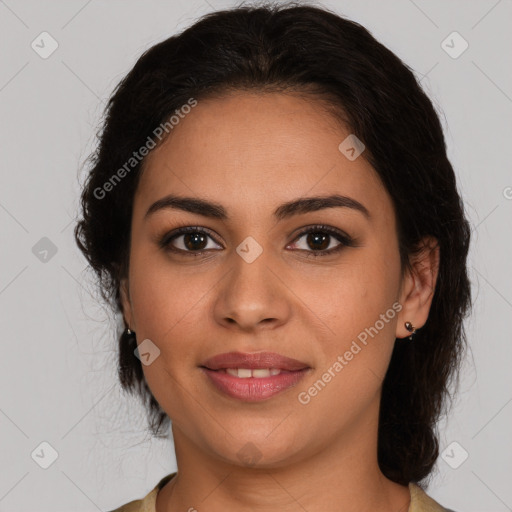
x,y
133,506
147,503
421,502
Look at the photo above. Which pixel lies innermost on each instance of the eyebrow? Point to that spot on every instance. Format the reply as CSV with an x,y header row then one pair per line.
x,y
284,211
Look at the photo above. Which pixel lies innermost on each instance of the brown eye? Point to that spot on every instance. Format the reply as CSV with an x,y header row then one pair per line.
x,y
318,241
322,240
188,240
194,241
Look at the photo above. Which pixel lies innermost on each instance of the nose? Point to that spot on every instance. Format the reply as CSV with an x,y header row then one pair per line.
x,y
252,296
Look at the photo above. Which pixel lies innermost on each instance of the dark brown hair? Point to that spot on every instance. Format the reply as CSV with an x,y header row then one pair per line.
x,y
289,47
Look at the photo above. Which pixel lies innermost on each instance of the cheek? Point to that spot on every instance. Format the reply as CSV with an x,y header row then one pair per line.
x,y
359,307
351,296
163,294
356,349
168,307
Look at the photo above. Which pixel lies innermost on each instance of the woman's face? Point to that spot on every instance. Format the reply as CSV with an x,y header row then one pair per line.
x,y
258,284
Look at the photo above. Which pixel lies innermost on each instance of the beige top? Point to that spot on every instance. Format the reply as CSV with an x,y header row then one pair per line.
x,y
420,502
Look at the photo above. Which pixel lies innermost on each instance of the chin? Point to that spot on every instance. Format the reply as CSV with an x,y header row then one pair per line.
x,y
260,451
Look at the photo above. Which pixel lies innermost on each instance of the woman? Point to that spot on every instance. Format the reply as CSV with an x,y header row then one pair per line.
x,y
272,210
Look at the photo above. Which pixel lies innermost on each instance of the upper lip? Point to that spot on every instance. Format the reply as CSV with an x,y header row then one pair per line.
x,y
251,361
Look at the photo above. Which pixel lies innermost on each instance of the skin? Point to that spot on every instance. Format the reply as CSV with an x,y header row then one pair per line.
x,y
251,153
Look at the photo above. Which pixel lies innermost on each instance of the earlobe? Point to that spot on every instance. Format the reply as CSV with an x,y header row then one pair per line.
x,y
419,287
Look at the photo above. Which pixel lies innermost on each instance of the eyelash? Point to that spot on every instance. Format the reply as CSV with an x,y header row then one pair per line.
x,y
164,242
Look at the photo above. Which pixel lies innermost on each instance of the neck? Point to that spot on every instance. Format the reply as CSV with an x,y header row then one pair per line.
x,y
343,475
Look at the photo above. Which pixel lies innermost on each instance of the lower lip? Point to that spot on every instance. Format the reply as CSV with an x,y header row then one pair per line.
x,y
254,389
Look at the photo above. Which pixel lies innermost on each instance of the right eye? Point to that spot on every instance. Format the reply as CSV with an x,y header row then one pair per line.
x,y
190,240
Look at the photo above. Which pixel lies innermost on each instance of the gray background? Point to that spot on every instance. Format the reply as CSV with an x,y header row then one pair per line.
x,y
57,371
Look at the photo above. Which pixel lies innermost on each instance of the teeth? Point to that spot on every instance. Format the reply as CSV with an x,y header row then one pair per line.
x,y
245,373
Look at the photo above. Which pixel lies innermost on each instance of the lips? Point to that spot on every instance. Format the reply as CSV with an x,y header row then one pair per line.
x,y
253,389
253,361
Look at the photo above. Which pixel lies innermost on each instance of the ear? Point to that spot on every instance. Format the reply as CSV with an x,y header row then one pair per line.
x,y
418,287
124,292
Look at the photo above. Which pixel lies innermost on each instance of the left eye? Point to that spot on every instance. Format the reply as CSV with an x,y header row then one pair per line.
x,y
321,241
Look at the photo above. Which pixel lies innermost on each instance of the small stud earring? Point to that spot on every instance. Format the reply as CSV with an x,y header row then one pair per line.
x,y
410,328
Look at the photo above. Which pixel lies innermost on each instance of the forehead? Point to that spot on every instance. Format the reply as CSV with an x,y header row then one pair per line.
x,y
258,150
